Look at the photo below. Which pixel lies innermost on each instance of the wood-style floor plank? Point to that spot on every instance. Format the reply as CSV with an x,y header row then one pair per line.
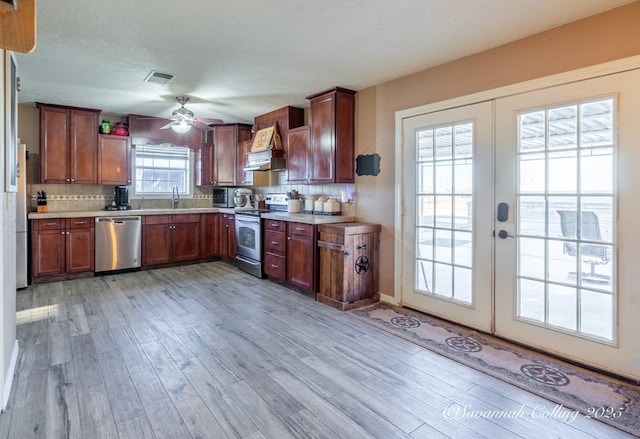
x,y
206,350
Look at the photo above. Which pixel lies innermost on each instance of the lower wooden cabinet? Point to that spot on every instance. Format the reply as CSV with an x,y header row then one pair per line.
x,y
210,235
228,236
170,238
301,242
275,249
62,246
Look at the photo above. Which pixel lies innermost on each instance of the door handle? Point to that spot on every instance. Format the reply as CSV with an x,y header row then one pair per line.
x,y
503,234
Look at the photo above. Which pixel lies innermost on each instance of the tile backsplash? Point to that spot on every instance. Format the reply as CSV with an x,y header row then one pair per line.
x,y
85,197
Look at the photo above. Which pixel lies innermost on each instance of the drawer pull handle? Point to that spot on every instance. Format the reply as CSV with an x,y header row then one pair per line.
x,y
275,242
299,228
49,224
79,222
275,225
275,266
362,247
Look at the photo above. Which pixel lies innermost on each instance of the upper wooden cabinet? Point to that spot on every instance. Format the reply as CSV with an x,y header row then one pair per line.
x,y
332,136
68,144
298,155
217,162
114,160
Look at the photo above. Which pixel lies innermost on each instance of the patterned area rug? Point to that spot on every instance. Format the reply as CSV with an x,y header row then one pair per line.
x,y
597,396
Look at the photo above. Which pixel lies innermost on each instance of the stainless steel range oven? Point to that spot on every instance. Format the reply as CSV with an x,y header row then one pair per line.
x,y
249,234
249,242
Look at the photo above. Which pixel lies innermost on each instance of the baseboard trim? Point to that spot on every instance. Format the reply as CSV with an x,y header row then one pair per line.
x,y
8,378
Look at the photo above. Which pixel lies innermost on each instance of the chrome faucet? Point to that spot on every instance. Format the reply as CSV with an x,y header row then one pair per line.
x,y
175,197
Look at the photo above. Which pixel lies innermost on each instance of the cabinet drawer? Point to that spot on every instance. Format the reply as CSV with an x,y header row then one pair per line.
x,y
275,242
301,229
277,225
274,266
80,223
185,218
155,219
48,224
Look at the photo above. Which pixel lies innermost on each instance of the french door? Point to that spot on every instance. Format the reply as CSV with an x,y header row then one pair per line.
x,y
546,252
448,205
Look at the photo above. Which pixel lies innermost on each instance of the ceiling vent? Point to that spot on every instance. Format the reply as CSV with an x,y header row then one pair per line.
x,y
158,78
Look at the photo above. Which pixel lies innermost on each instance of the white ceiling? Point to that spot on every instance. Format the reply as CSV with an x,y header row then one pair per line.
x,y
240,58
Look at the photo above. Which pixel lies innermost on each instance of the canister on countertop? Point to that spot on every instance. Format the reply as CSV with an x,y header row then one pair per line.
x,y
318,207
309,203
332,207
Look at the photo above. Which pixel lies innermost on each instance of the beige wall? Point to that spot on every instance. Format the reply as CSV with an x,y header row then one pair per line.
x,y
604,37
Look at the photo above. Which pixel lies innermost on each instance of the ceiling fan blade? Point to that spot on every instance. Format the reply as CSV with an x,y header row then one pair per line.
x,y
201,126
164,127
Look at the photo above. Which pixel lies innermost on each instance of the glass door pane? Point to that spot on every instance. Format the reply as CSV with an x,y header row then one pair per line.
x,y
565,212
444,231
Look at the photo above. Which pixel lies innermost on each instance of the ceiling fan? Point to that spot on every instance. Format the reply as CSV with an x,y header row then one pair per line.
x,y
183,119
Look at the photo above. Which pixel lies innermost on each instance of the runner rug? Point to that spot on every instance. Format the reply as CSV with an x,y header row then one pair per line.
x,y
597,396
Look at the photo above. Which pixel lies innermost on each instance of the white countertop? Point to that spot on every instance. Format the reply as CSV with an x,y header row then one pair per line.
x,y
283,216
308,218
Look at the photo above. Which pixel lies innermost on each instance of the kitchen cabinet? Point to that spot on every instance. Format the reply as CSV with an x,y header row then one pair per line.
x,y
228,236
285,118
170,238
68,144
62,246
298,155
349,259
114,160
275,249
210,235
301,251
332,136
218,157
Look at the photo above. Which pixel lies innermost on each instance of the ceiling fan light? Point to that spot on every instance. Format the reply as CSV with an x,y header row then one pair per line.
x,y
181,127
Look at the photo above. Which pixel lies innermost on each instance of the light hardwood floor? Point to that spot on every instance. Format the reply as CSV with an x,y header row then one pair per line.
x,y
206,351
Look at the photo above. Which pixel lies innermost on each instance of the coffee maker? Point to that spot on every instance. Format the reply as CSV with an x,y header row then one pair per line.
x,y
121,197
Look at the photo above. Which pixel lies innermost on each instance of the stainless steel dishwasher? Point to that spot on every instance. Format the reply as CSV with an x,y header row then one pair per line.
x,y
118,243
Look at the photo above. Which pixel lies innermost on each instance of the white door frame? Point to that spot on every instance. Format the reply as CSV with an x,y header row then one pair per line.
x,y
625,368
509,90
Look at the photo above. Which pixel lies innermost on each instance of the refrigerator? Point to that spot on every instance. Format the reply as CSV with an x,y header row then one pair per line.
x,y
21,220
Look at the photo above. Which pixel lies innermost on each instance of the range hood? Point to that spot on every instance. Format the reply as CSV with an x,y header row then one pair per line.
x,y
268,160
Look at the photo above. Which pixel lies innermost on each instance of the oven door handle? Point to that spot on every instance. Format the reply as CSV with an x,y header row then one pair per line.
x,y
250,221
247,260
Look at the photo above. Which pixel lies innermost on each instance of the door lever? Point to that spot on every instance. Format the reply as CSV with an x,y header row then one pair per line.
x,y
503,234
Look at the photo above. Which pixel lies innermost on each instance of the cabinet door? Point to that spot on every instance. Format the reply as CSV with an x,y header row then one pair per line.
x,y
54,141
224,149
298,155
243,178
231,237
48,252
204,166
209,235
301,268
156,239
185,241
322,139
83,146
114,160
80,250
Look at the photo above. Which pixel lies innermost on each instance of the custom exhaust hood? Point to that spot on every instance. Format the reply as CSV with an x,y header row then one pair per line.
x,y
266,152
268,160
